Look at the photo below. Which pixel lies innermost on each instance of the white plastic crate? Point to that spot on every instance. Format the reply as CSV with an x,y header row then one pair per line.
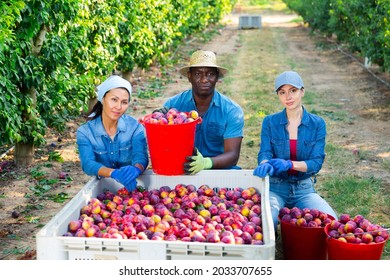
x,y
249,22
51,245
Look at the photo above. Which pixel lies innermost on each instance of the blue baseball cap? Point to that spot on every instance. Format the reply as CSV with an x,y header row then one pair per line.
x,y
112,82
288,78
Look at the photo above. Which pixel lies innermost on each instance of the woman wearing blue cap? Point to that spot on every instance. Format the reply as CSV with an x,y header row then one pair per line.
x,y
112,143
292,150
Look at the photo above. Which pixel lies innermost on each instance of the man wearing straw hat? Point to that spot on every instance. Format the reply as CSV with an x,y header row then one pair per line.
x,y
219,136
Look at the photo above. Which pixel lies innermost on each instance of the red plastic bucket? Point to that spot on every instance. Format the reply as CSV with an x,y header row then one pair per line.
x,y
303,243
169,145
338,250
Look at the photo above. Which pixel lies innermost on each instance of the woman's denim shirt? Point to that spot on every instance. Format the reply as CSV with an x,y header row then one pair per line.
x,y
97,149
275,142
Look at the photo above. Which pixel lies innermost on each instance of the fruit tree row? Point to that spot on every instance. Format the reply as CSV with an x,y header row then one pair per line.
x,y
362,25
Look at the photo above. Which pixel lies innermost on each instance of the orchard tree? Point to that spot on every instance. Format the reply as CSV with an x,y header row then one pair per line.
x,y
146,35
10,119
96,43
52,58
31,62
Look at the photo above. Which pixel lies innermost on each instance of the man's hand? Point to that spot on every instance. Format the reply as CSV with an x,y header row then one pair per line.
x,y
197,163
163,110
280,165
263,169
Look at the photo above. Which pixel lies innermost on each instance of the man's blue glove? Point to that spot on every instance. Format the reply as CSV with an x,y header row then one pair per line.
x,y
263,169
197,163
126,174
280,165
131,186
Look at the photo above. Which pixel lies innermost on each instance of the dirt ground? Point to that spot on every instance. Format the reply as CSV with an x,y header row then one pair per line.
x,y
354,88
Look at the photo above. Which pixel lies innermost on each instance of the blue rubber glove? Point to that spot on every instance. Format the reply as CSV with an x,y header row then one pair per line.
x,y
263,169
280,165
126,174
131,186
197,163
132,172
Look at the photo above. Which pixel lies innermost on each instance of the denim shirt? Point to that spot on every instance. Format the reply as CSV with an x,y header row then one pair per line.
x,y
275,142
223,119
97,149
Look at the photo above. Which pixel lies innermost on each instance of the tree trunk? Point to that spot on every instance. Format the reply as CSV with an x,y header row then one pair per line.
x,y
91,102
126,75
24,154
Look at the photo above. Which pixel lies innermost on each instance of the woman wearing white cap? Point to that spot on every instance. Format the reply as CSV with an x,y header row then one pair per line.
x,y
292,150
112,143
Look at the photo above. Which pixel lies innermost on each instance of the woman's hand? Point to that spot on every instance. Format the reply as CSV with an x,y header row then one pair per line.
x,y
263,169
280,165
126,174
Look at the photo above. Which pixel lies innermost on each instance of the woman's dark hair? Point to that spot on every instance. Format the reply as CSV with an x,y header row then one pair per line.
x,y
96,111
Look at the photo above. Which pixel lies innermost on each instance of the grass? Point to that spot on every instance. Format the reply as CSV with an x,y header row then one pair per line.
x,y
355,194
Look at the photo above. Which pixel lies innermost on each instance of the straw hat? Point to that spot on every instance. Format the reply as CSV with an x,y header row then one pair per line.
x,y
203,59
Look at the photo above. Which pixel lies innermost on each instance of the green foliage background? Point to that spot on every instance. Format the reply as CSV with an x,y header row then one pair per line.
x,y
53,53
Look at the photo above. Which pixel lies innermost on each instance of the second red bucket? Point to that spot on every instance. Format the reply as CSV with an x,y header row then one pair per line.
x,y
169,145
303,243
338,250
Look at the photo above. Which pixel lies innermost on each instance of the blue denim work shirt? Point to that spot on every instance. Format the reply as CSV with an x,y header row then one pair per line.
x,y
275,142
97,149
224,119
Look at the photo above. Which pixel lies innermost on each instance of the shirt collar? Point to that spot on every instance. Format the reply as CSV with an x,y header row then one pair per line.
x,y
99,128
305,117
304,121
216,100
